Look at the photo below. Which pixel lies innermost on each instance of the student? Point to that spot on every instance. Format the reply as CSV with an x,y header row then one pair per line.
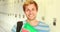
x,y
32,24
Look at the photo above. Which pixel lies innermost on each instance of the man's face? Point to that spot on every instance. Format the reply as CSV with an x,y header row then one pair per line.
x,y
30,11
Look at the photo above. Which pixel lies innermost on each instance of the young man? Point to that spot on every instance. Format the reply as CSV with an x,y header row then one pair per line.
x,y
32,25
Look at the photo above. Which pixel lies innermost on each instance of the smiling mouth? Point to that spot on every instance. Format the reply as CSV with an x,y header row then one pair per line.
x,y
30,15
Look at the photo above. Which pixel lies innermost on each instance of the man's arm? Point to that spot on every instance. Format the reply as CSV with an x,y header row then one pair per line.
x,y
14,28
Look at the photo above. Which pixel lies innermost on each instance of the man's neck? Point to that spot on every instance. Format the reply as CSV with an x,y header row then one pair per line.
x,y
30,20
33,22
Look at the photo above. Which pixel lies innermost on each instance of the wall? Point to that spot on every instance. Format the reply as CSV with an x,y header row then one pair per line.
x,y
13,12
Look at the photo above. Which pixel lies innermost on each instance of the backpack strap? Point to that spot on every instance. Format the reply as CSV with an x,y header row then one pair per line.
x,y
19,26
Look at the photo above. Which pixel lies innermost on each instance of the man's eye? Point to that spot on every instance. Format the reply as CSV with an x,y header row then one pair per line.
x,y
33,9
27,10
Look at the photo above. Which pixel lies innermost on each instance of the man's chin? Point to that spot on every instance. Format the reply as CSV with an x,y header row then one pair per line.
x,y
31,18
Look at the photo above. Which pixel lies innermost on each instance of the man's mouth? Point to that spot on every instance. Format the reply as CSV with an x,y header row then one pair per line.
x,y
30,15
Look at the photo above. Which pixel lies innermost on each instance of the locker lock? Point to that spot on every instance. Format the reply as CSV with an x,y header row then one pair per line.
x,y
54,21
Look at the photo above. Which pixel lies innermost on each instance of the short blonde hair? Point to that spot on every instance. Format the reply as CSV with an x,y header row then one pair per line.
x,y
28,3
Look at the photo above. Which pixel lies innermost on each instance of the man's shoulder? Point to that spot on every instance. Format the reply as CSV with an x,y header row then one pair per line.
x,y
41,23
42,26
15,26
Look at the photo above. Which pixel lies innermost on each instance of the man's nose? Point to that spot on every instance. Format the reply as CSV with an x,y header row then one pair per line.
x,y
30,11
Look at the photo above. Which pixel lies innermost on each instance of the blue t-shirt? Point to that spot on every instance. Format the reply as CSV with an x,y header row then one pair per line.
x,y
41,27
